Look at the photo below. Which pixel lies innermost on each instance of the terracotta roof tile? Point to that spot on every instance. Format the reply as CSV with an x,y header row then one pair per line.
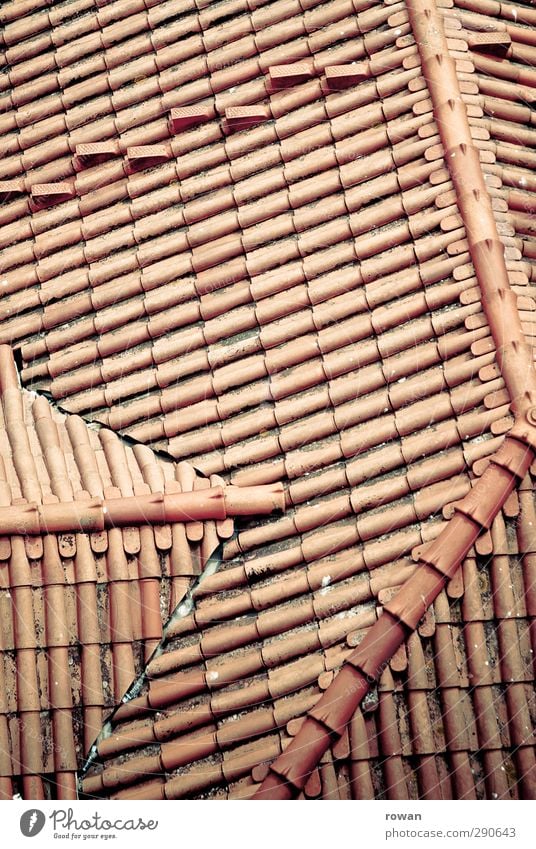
x,y
300,297
67,469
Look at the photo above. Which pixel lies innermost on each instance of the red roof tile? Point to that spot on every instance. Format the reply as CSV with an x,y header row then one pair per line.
x,y
93,565
308,297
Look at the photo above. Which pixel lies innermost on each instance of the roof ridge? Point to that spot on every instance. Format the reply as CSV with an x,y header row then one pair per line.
x,y
214,502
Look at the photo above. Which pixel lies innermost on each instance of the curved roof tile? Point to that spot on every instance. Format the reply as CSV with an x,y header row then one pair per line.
x,y
298,299
92,565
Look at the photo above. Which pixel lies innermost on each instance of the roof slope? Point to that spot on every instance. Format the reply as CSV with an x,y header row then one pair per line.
x,y
283,291
80,613
226,697
503,59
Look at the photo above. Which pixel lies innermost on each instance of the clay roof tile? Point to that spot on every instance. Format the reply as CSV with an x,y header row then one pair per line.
x,y
288,290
